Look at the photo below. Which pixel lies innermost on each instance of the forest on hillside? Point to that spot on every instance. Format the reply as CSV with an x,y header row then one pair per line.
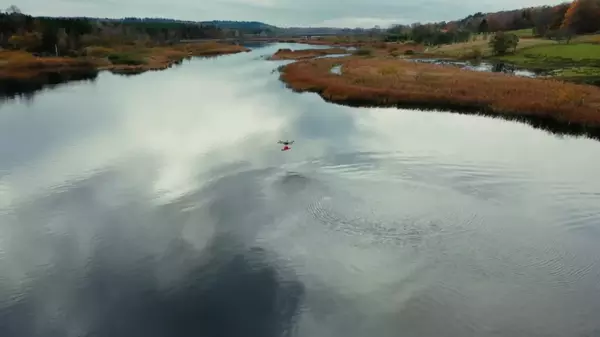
x,y
554,22
68,36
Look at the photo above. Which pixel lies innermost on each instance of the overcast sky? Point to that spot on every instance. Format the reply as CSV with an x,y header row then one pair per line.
x,y
284,13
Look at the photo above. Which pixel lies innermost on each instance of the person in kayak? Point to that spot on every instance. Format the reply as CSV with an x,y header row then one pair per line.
x,y
286,145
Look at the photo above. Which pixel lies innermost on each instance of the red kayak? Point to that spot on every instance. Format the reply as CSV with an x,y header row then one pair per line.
x,y
286,144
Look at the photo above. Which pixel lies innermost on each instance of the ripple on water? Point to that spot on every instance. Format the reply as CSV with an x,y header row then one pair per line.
x,y
490,181
457,208
352,219
572,207
409,199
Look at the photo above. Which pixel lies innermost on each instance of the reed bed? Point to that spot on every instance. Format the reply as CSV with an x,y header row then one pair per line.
x,y
389,82
288,54
120,59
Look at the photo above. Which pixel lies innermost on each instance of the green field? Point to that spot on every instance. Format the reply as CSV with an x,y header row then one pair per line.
x,y
578,72
576,61
557,55
577,52
465,48
525,33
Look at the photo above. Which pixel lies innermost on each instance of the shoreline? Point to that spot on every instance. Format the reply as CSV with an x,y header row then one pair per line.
x,y
301,54
550,104
529,56
382,78
23,66
575,62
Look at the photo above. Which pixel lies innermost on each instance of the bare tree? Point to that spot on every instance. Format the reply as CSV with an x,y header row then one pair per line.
x,y
13,10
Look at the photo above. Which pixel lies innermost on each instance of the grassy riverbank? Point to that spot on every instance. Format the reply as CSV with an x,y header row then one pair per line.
x,y
338,41
578,61
288,54
118,59
366,49
392,82
22,65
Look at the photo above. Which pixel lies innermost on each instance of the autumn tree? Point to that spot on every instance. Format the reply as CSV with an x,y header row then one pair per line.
x,y
558,16
28,41
451,27
583,16
49,39
494,25
12,10
502,42
526,15
541,19
483,27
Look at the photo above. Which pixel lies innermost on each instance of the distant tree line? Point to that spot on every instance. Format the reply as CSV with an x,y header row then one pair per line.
x,y
67,36
555,22
428,34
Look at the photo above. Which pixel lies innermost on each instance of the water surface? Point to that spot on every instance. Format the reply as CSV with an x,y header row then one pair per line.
x,y
161,205
495,67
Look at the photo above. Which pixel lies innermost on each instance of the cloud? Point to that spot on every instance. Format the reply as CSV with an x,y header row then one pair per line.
x,y
255,3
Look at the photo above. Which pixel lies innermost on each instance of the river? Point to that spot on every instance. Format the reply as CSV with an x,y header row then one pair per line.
x,y
161,205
